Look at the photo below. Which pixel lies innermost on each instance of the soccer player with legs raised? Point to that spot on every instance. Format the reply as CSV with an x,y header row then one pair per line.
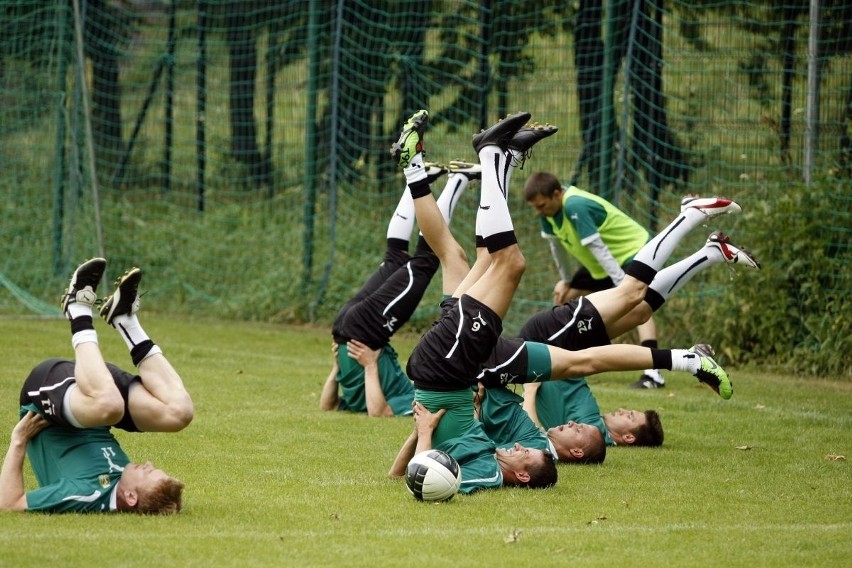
x,y
365,374
68,408
448,356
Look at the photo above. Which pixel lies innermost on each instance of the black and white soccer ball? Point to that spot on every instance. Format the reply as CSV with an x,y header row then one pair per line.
x,y
433,475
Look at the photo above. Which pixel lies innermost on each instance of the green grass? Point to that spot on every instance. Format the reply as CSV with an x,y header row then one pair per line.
x,y
272,481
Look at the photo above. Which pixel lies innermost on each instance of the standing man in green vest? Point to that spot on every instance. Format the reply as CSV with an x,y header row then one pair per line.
x,y
601,237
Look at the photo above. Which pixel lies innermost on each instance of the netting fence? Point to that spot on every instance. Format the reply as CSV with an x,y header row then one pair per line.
x,y
237,150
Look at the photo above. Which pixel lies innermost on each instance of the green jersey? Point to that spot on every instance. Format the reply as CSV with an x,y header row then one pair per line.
x,y
584,216
505,421
397,388
560,402
475,453
77,469
459,416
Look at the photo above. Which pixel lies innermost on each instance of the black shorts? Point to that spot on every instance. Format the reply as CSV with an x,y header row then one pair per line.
x,y
452,353
574,325
516,361
48,382
582,280
390,299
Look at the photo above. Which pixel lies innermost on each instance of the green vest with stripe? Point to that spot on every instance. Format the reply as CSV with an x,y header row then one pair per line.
x,y
588,215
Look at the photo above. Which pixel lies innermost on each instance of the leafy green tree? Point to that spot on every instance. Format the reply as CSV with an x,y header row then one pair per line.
x,y
783,27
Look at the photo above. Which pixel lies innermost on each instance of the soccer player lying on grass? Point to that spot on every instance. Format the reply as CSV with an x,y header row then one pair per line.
x,y
365,374
566,408
592,320
451,356
68,407
484,462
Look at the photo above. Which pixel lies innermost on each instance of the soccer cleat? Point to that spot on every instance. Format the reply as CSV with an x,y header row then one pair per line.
x,y
650,379
434,170
731,253
710,373
646,382
125,299
410,141
710,206
470,171
528,135
501,133
84,284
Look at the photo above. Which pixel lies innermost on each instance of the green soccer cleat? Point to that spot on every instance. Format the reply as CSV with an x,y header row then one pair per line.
x,y
410,141
710,373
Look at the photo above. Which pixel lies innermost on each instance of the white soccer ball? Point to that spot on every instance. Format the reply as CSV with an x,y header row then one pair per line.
x,y
433,475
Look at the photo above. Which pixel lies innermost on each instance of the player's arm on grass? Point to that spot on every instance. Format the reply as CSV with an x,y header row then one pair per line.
x,y
377,404
12,494
406,452
330,397
530,394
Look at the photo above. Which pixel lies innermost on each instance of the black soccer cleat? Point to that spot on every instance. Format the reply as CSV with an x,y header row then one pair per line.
x,y
529,135
501,133
84,284
125,299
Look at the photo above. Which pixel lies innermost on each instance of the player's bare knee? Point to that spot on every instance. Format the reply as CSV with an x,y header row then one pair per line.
x,y
107,409
643,313
513,261
632,291
182,413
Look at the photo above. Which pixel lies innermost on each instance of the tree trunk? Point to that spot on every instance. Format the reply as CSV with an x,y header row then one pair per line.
x,y
588,60
242,52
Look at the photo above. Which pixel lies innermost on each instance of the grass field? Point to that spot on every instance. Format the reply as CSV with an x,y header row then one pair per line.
x,y
764,479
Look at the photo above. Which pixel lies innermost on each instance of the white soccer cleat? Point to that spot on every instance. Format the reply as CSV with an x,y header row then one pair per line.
x,y
710,206
470,171
731,253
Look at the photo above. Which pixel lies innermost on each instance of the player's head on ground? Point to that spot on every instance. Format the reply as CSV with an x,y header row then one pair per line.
x,y
578,443
544,193
147,490
526,467
634,428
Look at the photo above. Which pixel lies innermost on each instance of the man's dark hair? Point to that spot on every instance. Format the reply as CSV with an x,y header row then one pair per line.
x,y
541,183
595,450
544,474
651,433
